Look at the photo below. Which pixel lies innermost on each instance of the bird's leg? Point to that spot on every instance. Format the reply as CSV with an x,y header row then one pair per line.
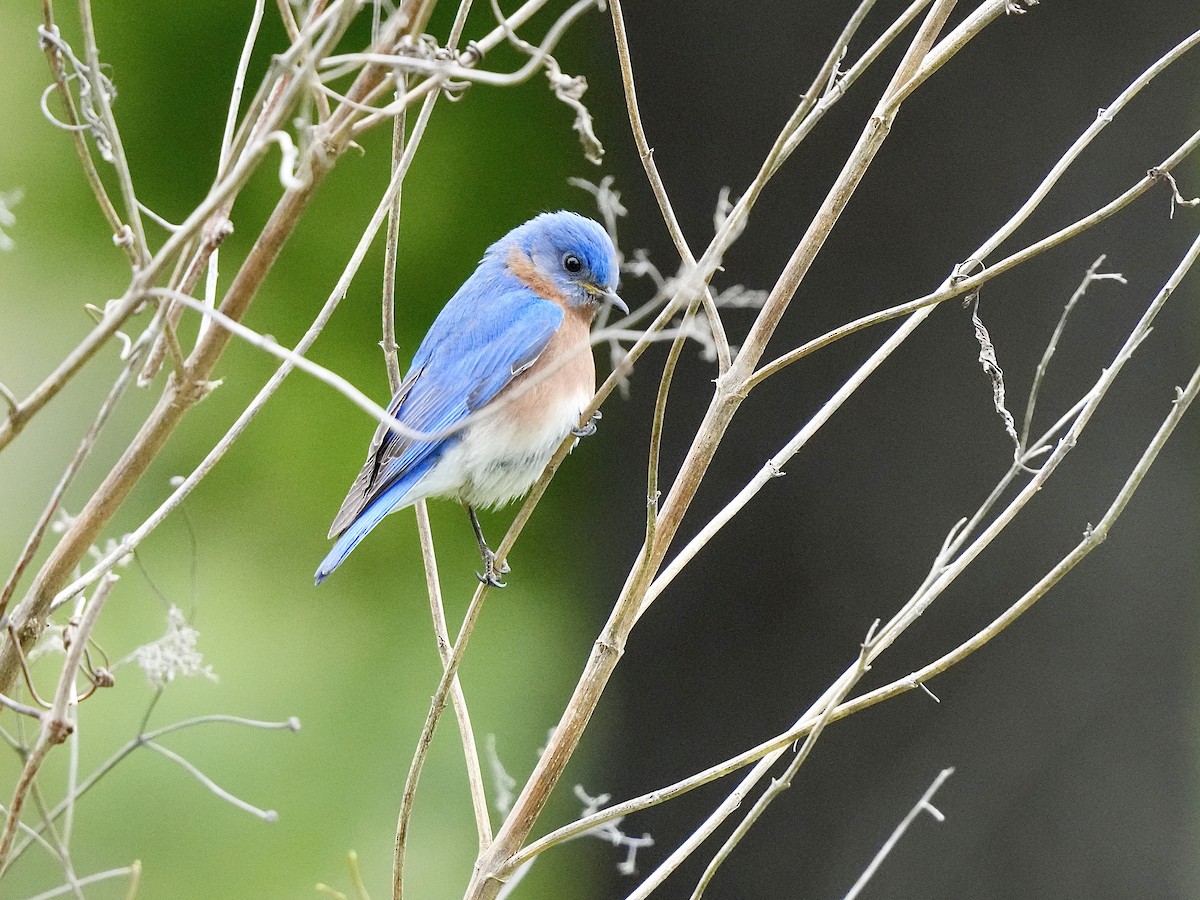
x,y
491,572
589,427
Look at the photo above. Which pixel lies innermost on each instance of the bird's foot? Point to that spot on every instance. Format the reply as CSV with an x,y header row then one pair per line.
x,y
491,571
589,427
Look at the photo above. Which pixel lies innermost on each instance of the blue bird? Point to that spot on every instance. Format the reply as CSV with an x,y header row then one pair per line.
x,y
500,380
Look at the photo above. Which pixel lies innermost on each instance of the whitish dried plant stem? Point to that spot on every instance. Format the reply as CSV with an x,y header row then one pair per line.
x,y
610,645
646,154
443,69
57,721
925,804
474,773
111,763
479,801
834,87
390,252
1092,274
656,428
134,872
231,119
79,138
1092,538
133,212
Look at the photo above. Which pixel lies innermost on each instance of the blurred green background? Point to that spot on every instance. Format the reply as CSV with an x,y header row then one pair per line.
x,y
355,660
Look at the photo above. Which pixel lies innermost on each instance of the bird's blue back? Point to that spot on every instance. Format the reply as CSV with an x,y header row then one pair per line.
x,y
492,328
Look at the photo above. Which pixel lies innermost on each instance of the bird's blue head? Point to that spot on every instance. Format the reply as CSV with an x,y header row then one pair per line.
x,y
567,253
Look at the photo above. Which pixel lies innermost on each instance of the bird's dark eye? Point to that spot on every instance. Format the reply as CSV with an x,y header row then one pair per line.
x,y
572,263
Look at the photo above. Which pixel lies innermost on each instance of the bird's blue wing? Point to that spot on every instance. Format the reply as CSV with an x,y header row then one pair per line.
x,y
480,341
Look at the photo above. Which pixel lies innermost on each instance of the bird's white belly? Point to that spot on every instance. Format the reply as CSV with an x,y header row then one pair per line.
x,y
500,457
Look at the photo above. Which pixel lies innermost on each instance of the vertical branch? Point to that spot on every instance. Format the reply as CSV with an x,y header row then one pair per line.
x,y
433,585
390,248
56,722
646,154
470,750
133,213
78,134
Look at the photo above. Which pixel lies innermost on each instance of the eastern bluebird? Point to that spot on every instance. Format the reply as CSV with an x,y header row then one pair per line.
x,y
509,362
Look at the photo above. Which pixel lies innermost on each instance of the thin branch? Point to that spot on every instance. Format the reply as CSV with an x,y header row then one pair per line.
x,y
646,154
133,871
52,43
390,252
470,749
836,83
57,721
925,804
266,815
85,447
317,371
100,92
223,158
443,70
1092,274
827,704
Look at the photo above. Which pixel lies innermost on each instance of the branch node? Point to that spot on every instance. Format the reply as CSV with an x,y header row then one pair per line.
x,y
123,237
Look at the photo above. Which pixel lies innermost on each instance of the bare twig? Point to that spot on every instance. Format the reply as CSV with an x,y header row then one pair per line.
x,y
103,98
925,804
646,154
57,722
132,871
85,446
53,44
827,704
1093,274
129,747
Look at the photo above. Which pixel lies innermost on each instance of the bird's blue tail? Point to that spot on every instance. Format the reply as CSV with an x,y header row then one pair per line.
x,y
389,501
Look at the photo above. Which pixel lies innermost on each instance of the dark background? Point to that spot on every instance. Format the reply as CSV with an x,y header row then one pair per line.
x,y
1072,735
